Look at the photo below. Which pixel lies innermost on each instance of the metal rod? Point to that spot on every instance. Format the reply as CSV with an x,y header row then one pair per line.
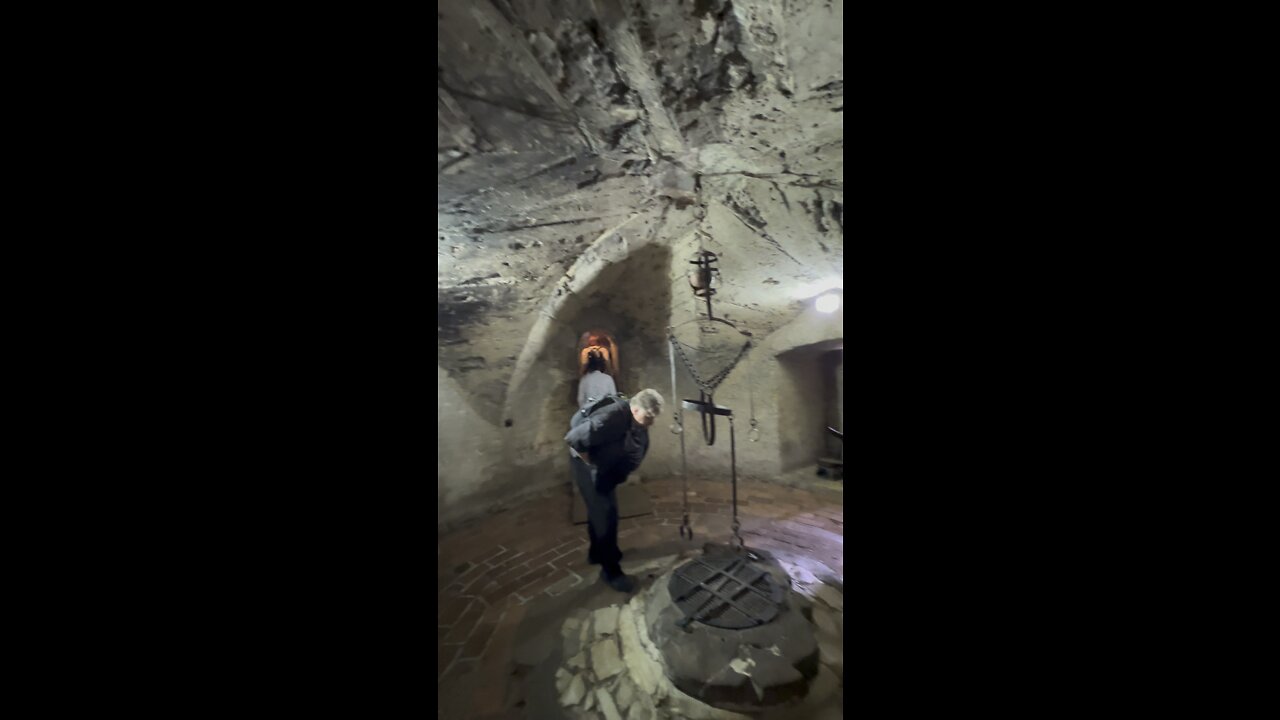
x,y
684,622
671,351
683,467
709,437
697,585
686,532
729,599
750,586
733,464
726,599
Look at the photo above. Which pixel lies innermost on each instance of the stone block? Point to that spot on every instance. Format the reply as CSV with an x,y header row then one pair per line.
x,y
606,621
831,597
822,687
633,655
638,712
624,693
826,622
607,705
605,660
832,652
574,693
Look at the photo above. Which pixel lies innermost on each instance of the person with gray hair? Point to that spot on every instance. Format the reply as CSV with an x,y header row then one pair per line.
x,y
607,442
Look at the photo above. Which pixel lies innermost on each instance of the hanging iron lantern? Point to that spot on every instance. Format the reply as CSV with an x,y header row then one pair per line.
x,y
705,278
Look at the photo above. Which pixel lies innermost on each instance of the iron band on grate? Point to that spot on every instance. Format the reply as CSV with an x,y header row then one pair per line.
x,y
726,591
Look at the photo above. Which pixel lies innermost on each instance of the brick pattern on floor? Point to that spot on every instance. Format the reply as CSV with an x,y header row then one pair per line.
x,y
490,569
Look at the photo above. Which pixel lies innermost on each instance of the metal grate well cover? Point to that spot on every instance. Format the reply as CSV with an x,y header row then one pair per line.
x,y
726,592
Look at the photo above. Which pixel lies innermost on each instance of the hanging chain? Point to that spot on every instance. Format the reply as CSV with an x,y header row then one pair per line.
x,y
754,433
678,416
707,386
737,543
686,530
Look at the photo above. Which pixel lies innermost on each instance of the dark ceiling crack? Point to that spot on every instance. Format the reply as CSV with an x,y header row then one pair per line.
x,y
764,235
504,9
460,197
760,176
782,195
512,228
744,307
817,215
600,177
453,162
516,106
563,162
617,132
829,184
678,164
597,36
479,140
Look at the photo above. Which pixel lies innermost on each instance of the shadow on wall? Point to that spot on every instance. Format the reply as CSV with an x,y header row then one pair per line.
x,y
630,300
806,403
483,464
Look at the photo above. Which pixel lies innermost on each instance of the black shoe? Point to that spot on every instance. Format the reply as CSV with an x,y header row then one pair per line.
x,y
591,560
620,582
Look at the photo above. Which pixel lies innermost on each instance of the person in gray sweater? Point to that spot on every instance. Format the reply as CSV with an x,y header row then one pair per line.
x,y
595,384
607,442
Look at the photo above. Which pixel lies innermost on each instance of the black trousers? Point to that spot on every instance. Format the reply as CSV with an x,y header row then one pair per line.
x,y
602,518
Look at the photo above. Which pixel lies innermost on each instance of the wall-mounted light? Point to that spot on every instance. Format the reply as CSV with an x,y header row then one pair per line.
x,y
827,303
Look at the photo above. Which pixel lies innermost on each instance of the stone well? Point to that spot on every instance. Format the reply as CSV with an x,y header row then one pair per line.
x,y
635,661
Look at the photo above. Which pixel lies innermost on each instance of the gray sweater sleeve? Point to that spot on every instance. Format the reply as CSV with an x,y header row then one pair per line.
x,y
595,384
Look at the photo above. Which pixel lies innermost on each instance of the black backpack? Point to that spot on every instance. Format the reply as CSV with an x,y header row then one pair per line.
x,y
589,408
619,459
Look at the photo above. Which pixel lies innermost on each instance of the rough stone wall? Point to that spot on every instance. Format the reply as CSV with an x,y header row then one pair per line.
x,y
469,455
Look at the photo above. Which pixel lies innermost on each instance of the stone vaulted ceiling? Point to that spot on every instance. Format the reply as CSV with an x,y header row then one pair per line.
x,y
562,125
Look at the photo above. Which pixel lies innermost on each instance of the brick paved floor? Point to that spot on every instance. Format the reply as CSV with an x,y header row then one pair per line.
x,y
490,571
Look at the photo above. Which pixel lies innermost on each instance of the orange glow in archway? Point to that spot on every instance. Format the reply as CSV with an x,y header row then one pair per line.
x,y
602,342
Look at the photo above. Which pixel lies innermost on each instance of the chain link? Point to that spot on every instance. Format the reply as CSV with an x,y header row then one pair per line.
x,y
707,386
